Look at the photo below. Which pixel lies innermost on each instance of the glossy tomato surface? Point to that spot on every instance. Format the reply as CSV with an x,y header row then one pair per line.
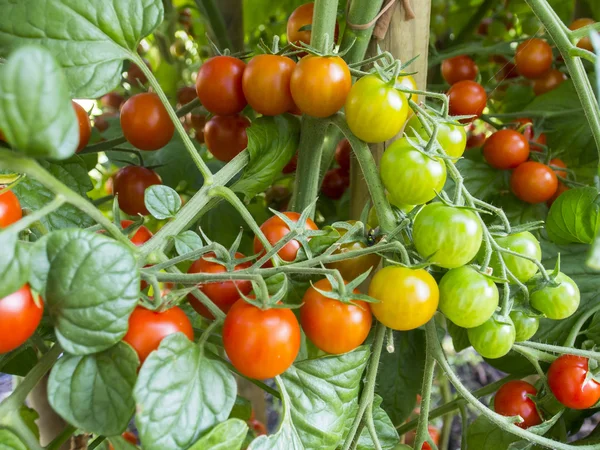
x,y
145,122
130,184
452,138
459,68
467,98
525,325
523,243
506,149
85,127
226,136
10,209
19,318
407,81
548,82
266,84
219,85
555,162
533,58
533,182
557,302
512,399
569,382
494,338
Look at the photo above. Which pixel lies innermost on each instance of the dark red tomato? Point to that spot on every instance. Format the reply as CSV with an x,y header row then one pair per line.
x,y
112,101
555,162
85,128
568,382
459,68
533,58
275,229
335,183
475,140
467,98
291,166
219,85
512,400
584,43
506,149
142,234
342,154
147,328
257,427
549,81
507,71
261,343
561,188
301,17
10,209
145,122
186,94
130,437
266,84
226,137
101,122
223,294
533,182
19,318
135,76
130,184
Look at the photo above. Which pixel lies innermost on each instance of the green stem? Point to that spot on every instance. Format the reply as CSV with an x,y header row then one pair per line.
x,y
574,332
323,25
372,429
217,24
422,427
360,12
583,31
448,419
96,442
17,425
104,145
63,437
562,350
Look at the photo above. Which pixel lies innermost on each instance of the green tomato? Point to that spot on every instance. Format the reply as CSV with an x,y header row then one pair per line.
x,y
411,177
449,237
375,111
557,302
452,138
525,325
494,338
525,244
467,297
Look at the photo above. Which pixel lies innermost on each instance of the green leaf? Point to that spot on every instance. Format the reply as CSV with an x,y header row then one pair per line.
x,y
482,180
228,435
323,393
386,432
187,242
459,336
593,330
9,441
181,394
119,443
92,286
162,202
593,257
29,417
95,392
486,435
272,142
18,362
90,39
242,409
14,264
574,217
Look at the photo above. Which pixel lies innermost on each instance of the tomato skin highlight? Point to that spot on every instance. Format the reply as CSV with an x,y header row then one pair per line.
x,y
533,58
219,85
10,209
141,236
567,381
452,138
266,84
548,82
525,325
85,127
407,298
459,68
146,123
226,136
585,42
533,182
467,98
261,344
492,339
512,400
130,184
19,318
558,302
523,243
506,149
331,325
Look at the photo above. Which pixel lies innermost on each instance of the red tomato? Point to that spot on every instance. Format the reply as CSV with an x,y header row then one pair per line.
x,y
476,140
130,184
10,209
266,84
226,136
559,163
342,154
186,95
561,188
146,123
533,182
147,328
223,294
275,229
135,76
101,122
584,43
261,343
19,318
130,437
301,17
467,98
526,127
533,58
219,85
459,68
568,382
433,432
257,427
85,128
506,149
335,183
291,166
142,234
512,400
548,81
112,100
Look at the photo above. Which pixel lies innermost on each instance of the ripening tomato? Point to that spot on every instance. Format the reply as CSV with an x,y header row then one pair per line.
x,y
331,325
494,338
411,177
342,155
148,328
112,100
570,384
266,84
375,111
85,127
561,188
186,95
222,293
558,302
352,268
300,18
226,136
407,298
585,42
335,183
261,343
549,81
142,234
452,138
506,149
449,237
533,182
526,325
10,209
512,399
19,318
467,98
130,184
475,140
146,123
219,85
555,162
533,58
276,229
523,243
459,68
320,85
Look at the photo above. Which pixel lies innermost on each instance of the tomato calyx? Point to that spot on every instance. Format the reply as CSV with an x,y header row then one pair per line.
x,y
298,232
345,292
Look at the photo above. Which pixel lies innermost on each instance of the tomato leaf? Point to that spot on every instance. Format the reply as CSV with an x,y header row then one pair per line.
x,y
460,338
162,202
95,392
14,264
574,217
29,417
181,394
10,441
119,443
484,434
18,362
89,39
187,242
272,142
386,432
482,180
228,435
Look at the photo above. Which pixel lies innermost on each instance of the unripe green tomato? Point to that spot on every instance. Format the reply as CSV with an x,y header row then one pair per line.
x,y
525,244
557,302
375,111
452,138
525,325
494,338
467,297
449,237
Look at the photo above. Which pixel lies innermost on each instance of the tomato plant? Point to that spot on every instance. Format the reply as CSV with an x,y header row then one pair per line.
x,y
452,138
533,182
354,267
459,68
557,302
343,150
525,325
506,149
130,184
548,81
335,183
85,128
522,267
584,43
10,208
141,235
467,98
226,136
569,382
219,85
146,123
512,399
20,316
533,58
494,338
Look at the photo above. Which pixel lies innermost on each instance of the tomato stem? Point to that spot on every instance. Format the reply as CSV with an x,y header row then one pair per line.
x,y
426,388
323,25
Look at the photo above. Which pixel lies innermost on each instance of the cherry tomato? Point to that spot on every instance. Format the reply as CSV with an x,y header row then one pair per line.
x,y
570,384
375,111
352,268
130,437
335,183
467,98
226,136
407,298
449,237
494,338
301,17
146,123
19,318
411,177
101,122
130,184
186,95
112,100
533,58
148,328
557,302
257,427
320,85
506,149
142,234
85,128
533,182
410,439
459,68
548,81
407,81
561,188
10,209
266,84
555,162
476,140
512,399
452,138
261,343
525,325
507,72
331,325
342,155
467,297
219,85
523,243
291,166
584,43
223,294
135,76
526,127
